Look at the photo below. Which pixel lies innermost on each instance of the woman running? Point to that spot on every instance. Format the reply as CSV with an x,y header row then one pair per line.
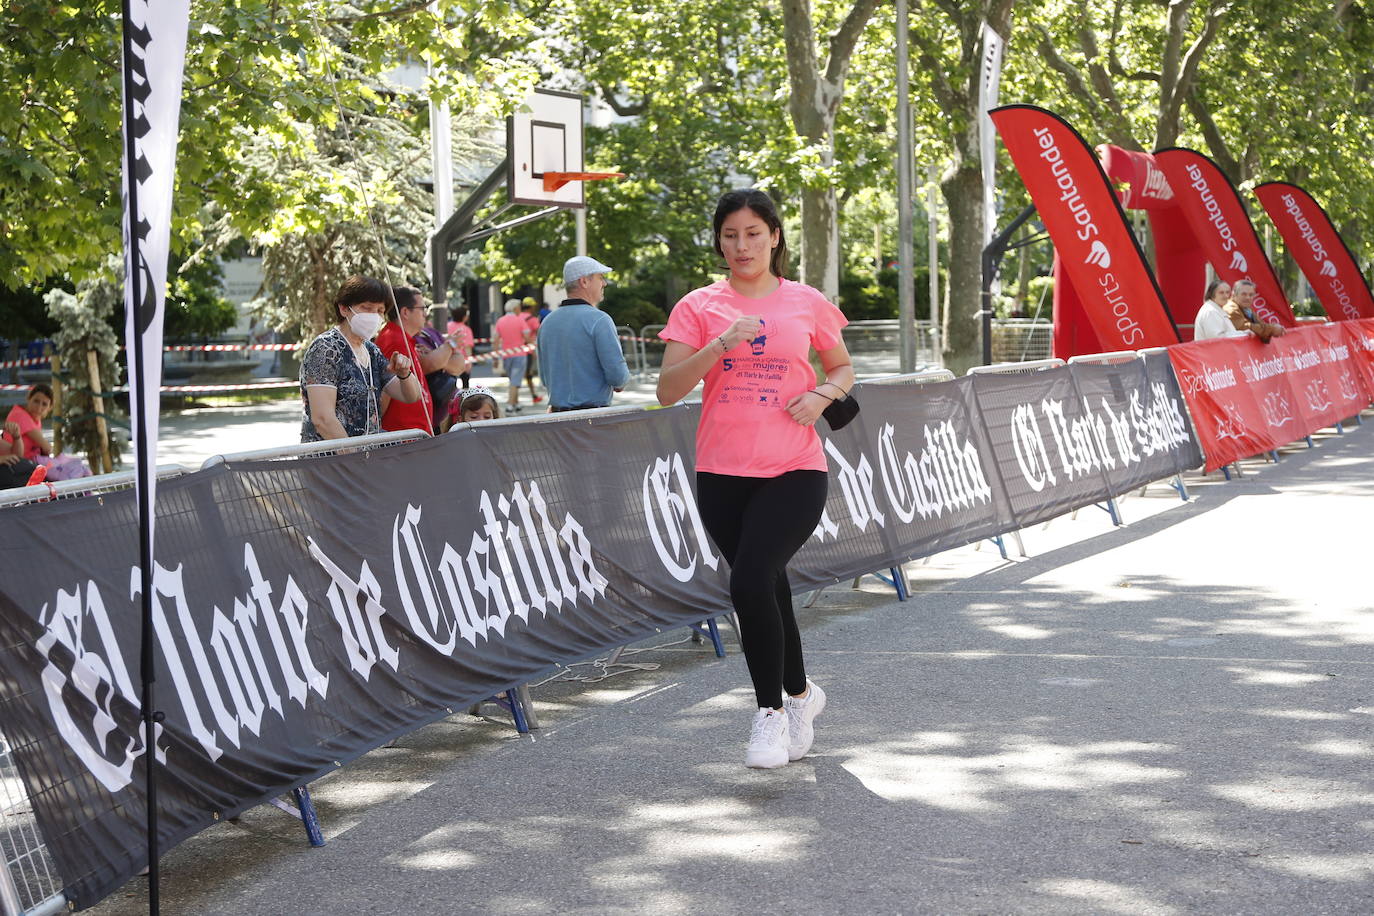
x,y
761,473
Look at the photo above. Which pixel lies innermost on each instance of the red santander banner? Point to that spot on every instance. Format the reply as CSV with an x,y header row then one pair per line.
x,y
1246,397
1360,333
1319,250
1223,230
1075,201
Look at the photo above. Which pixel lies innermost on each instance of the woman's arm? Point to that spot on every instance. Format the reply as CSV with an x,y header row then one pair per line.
x,y
807,407
684,366
323,399
404,387
36,436
434,359
16,439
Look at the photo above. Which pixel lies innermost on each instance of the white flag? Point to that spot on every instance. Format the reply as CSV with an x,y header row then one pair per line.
x,y
988,85
154,54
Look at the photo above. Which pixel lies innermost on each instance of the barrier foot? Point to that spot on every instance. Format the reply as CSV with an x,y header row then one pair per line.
x,y
304,811
711,632
513,702
811,598
1001,547
895,582
1182,488
1020,545
1113,510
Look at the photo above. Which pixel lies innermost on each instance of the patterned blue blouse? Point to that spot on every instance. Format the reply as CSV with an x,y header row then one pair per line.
x,y
358,388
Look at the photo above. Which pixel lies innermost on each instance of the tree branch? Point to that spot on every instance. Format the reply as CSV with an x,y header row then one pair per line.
x,y
624,109
945,95
1216,142
1112,122
400,12
843,42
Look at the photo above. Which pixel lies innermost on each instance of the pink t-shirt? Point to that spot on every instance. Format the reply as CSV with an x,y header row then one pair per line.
x,y
26,423
745,429
511,331
463,334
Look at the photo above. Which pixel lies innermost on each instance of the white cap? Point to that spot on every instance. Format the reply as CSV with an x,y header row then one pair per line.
x,y
575,269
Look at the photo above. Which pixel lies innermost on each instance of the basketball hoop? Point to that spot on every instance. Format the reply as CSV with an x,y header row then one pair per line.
x,y
555,180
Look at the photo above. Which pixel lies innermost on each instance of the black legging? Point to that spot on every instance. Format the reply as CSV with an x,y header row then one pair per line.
x,y
759,523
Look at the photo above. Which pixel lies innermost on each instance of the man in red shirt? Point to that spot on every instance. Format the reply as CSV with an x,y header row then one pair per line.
x,y
406,325
512,333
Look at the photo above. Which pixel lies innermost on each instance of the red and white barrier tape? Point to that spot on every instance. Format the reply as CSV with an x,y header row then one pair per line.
x,y
514,351
218,348
17,363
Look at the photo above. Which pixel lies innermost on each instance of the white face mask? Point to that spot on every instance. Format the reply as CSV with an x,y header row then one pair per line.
x,y
365,324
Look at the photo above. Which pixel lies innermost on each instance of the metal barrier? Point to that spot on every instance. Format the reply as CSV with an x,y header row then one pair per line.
x,y
650,333
633,350
81,486
1015,368
29,883
1021,339
1114,358
327,447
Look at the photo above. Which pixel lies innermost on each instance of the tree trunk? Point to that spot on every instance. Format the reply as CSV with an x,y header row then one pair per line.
x,y
963,192
820,241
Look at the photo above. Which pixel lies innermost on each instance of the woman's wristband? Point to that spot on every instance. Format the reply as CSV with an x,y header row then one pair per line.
x,y
843,393
406,376
815,392
723,347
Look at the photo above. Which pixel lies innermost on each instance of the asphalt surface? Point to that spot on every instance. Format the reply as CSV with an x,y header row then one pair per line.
x,y
1170,717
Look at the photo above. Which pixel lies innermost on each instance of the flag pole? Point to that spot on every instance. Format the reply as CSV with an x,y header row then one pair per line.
x,y
143,472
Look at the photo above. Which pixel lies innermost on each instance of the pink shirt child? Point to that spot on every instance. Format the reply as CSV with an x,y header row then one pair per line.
x,y
27,424
745,430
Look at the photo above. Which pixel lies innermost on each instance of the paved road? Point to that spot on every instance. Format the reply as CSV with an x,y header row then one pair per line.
x,y
1171,717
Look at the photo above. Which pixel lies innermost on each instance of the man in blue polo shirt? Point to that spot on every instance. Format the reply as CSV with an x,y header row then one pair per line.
x,y
579,355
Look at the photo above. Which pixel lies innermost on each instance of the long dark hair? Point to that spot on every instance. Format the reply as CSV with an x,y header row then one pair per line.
x,y
763,207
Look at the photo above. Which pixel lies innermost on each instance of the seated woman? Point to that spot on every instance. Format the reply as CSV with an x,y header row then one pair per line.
x,y
1212,320
23,437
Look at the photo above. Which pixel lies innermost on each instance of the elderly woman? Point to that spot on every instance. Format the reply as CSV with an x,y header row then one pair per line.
x,y
344,375
23,438
1212,320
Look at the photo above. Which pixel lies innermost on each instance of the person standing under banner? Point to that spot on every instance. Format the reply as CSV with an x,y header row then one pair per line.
x,y
761,472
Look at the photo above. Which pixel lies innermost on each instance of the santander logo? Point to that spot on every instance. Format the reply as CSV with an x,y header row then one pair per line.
x,y
1238,262
1099,255
1113,296
1328,269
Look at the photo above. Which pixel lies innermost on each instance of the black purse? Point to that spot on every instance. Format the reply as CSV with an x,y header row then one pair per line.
x,y
840,411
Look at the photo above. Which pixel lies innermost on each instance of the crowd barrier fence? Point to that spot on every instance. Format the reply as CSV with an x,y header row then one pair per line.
x,y
950,416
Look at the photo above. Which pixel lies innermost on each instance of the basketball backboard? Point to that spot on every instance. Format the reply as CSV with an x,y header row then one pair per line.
x,y
547,137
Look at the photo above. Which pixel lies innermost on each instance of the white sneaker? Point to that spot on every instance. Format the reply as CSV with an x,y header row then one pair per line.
x,y
801,712
768,739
